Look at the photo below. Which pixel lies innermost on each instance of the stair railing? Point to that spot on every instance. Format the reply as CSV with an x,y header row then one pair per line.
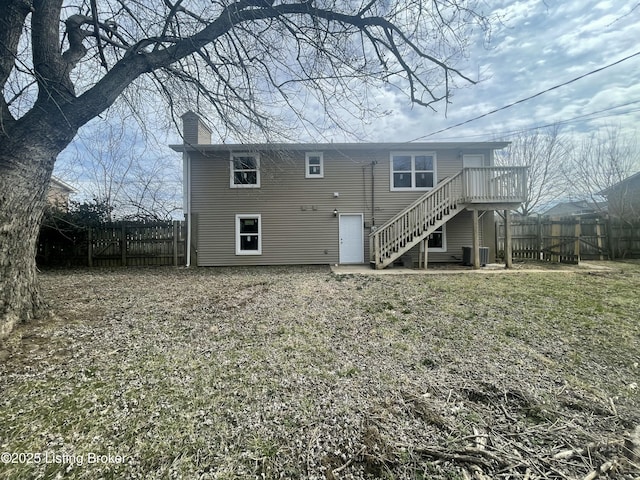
x,y
405,229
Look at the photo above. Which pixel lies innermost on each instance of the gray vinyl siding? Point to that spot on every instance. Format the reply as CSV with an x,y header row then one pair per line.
x,y
298,225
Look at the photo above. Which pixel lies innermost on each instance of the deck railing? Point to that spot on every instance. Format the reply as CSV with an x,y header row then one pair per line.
x,y
490,185
494,184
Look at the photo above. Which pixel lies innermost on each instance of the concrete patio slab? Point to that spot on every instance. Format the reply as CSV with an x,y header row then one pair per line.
x,y
453,269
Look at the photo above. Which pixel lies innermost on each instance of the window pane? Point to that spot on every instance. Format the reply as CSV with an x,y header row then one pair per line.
x,y
314,160
402,180
245,178
435,240
248,225
244,163
424,162
314,170
402,163
248,242
424,179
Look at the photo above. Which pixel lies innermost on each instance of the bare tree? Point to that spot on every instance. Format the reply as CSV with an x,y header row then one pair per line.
x,y
64,62
114,166
602,160
153,191
544,152
600,171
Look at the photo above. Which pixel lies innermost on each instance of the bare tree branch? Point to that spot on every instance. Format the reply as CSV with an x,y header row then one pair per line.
x,y
545,152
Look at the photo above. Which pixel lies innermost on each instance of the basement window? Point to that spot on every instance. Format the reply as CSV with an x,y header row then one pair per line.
x,y
245,170
314,165
438,241
412,171
249,234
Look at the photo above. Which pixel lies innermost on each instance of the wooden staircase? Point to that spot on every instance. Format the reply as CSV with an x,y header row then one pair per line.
x,y
489,187
416,222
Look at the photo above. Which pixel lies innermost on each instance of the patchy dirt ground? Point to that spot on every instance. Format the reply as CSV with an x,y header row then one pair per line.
x,y
299,373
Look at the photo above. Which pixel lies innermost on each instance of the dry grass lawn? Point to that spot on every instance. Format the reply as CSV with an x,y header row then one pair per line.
x,y
294,372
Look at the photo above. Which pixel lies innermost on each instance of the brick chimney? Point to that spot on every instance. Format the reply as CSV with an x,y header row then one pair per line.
x,y
194,130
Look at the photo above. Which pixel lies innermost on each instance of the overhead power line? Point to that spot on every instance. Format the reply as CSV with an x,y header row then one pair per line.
x,y
522,100
597,114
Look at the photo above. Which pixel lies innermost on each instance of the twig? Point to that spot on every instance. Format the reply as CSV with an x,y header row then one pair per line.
x,y
604,468
456,457
348,462
478,473
481,438
558,472
507,414
591,447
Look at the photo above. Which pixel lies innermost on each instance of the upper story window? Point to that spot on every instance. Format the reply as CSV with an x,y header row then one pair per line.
x,y
245,170
314,165
413,171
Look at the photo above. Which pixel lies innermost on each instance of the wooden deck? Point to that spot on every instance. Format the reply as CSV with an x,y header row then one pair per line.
x,y
478,188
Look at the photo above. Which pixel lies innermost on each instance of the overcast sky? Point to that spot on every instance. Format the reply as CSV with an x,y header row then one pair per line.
x,y
540,44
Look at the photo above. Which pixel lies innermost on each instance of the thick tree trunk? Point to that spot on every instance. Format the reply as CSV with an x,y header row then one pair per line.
x,y
22,200
27,157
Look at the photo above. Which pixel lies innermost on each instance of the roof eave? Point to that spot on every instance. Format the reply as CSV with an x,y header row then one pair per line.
x,y
334,146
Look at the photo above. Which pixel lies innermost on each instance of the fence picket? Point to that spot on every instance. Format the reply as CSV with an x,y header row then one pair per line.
x,y
118,244
570,239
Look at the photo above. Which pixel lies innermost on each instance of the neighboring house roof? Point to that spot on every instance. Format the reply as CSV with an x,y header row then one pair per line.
x,y
334,146
578,207
61,185
624,183
58,193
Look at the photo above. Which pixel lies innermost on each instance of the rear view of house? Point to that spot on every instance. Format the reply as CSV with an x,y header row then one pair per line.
x,y
377,203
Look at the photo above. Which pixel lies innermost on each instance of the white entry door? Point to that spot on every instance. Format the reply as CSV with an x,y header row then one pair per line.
x,y
351,238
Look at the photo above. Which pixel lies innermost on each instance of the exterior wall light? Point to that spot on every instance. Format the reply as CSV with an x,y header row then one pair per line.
x,y
335,212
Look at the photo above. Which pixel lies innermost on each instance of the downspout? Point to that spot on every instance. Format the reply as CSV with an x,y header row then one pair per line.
x,y
373,197
188,199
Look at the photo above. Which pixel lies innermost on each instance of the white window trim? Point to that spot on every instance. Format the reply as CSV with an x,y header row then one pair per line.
x,y
232,170
413,188
306,165
239,217
444,241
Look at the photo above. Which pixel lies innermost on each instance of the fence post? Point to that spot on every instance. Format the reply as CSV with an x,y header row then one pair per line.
x,y
578,233
123,244
599,238
539,245
90,247
556,236
175,243
610,238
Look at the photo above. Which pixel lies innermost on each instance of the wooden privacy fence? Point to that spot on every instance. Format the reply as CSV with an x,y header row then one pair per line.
x,y
115,244
570,239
